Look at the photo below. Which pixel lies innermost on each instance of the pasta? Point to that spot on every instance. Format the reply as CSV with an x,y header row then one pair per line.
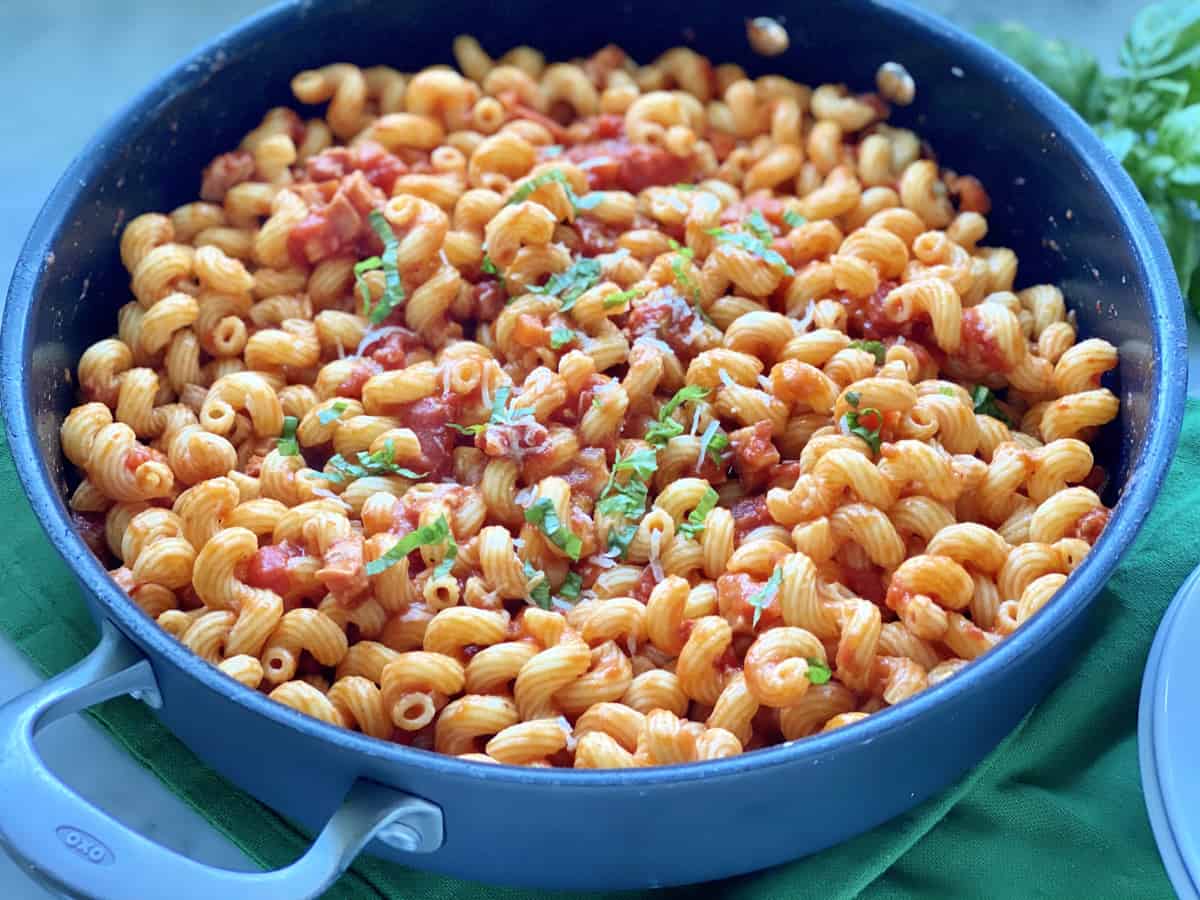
x,y
586,413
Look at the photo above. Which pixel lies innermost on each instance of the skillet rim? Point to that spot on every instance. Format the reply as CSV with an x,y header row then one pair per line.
x,y
1156,275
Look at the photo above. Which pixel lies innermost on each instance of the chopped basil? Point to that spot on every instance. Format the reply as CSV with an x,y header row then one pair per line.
x,y
433,533
853,398
793,219
619,539
620,298
540,592
666,427
570,285
326,416
758,226
761,599
560,337
525,191
489,267
501,414
713,441
684,186
288,445
875,348
447,564
627,501
545,517
683,280
571,587
854,425
695,520
948,391
754,245
986,405
360,269
643,463
818,672
381,462
393,292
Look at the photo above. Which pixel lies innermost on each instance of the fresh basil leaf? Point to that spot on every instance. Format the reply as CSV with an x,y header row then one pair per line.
x,y
793,219
539,594
818,671
666,428
433,533
570,285
695,520
753,245
868,430
713,441
560,337
643,463
545,517
447,564
761,599
1179,135
571,587
620,298
853,398
875,348
985,404
326,416
1069,71
1164,39
620,538
525,191
393,292
288,445
758,226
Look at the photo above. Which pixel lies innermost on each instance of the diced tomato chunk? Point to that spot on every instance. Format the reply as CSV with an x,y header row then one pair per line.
x,y
734,593
1091,524
224,172
750,513
268,567
618,165
429,419
360,373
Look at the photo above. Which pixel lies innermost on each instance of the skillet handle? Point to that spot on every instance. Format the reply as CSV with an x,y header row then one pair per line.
x,y
61,838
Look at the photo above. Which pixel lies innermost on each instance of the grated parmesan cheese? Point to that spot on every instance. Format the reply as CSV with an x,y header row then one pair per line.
x,y
655,550
568,731
374,334
801,325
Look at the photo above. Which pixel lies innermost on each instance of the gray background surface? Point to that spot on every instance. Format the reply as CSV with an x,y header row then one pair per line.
x,y
67,66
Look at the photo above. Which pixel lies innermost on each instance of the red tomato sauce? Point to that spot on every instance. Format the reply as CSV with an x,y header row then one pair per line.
x,y
980,343
429,419
617,165
750,513
1091,524
360,372
268,567
391,350
734,593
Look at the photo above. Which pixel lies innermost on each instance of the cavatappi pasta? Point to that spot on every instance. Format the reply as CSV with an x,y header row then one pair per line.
x,y
586,414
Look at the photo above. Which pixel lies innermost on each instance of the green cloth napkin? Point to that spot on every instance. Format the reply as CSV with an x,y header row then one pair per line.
x,y
1055,811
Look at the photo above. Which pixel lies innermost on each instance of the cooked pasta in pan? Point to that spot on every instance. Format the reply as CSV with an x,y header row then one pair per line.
x,y
586,414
